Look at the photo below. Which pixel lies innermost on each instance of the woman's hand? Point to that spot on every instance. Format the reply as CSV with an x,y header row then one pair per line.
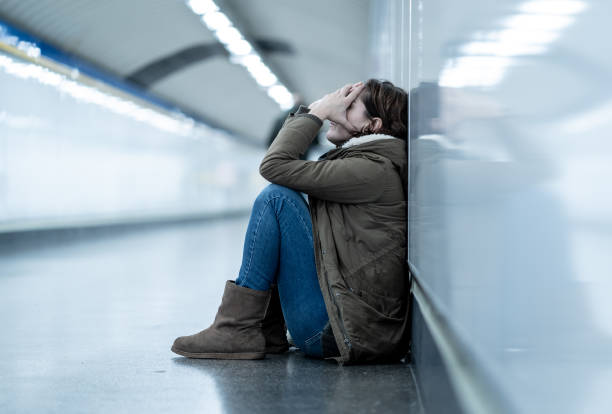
x,y
333,105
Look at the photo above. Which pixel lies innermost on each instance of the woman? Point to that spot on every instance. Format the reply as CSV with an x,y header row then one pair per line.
x,y
334,265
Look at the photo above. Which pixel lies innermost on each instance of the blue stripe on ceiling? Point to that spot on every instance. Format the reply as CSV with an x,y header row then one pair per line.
x,y
65,58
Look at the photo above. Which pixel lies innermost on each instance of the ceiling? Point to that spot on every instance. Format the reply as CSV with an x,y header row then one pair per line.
x,y
313,47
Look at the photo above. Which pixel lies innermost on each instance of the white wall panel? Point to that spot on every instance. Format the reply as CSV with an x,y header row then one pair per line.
x,y
510,208
82,152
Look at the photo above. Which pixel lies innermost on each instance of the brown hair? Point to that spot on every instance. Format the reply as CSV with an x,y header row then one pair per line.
x,y
388,102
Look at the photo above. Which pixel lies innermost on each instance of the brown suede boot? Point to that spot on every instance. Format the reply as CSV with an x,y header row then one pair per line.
x,y
273,325
236,332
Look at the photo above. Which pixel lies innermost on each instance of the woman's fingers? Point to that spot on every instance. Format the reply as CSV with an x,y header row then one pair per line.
x,y
344,91
333,106
354,93
347,89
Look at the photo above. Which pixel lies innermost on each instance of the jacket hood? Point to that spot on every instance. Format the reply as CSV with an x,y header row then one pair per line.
x,y
387,146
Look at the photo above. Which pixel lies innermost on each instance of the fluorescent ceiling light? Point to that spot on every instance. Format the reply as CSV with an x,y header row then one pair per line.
x,y
256,66
87,94
523,37
240,50
281,95
528,33
29,48
228,34
538,22
502,49
241,47
262,74
266,79
565,7
474,71
202,6
216,20
247,60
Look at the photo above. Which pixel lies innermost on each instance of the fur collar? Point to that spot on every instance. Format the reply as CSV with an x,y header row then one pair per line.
x,y
365,138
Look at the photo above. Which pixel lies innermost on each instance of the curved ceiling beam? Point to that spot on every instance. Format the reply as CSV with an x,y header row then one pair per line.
x,y
155,71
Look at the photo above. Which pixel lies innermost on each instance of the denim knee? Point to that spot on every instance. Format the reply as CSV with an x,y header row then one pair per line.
x,y
275,190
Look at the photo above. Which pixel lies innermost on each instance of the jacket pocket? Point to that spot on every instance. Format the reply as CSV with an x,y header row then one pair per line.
x,y
382,285
389,306
373,334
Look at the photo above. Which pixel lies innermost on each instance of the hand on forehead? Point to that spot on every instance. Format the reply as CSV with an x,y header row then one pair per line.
x,y
358,87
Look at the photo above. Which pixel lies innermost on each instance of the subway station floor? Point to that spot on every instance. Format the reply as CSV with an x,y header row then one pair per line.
x,y
87,326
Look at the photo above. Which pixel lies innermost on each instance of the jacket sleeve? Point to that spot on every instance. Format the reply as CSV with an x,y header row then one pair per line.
x,y
356,179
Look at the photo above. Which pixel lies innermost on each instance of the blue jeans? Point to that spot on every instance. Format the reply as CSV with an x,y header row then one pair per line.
x,y
278,248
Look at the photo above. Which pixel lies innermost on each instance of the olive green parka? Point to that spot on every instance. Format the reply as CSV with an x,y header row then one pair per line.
x,y
357,203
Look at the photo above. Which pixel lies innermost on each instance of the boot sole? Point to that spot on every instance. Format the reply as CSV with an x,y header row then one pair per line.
x,y
219,355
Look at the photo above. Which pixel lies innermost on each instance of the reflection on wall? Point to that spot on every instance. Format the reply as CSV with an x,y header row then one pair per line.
x,y
509,202
80,151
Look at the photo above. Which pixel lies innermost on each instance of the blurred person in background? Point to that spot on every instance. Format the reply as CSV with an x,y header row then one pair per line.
x,y
331,269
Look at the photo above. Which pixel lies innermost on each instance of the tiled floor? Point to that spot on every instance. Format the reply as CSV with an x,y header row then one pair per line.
x,y
88,325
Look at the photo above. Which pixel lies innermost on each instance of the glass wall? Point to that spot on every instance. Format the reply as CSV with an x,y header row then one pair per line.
x,y
510,211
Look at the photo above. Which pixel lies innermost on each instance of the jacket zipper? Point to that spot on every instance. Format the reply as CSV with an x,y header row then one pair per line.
x,y
347,341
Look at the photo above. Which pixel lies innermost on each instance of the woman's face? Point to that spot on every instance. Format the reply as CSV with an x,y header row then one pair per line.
x,y
357,116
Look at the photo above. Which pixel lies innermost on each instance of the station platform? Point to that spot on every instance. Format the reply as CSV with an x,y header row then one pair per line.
x,y
88,322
